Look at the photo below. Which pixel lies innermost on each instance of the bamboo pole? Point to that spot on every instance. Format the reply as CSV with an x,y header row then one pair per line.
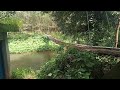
x,y
117,33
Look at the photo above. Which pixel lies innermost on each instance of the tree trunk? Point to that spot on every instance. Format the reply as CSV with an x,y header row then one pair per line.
x,y
117,33
94,49
114,72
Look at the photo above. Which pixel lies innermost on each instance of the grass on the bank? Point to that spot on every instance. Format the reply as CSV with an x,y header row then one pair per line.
x,y
22,43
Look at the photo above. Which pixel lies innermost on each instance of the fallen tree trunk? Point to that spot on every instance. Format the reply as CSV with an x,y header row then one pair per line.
x,y
95,49
114,73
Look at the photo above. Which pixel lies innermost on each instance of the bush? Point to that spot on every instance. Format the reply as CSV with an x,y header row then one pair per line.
x,y
74,64
23,74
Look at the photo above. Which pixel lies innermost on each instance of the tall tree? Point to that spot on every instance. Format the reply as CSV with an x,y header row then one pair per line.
x,y
97,25
117,33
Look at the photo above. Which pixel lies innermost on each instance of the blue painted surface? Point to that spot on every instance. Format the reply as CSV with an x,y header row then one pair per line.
x,y
2,76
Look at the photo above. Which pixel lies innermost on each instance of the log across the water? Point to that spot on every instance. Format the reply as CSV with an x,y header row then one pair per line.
x,y
95,49
114,72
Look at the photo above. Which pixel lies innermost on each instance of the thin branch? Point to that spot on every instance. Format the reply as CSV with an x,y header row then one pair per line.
x,y
107,20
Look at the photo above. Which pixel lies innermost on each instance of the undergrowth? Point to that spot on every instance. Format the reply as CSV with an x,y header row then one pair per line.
x,y
74,64
22,43
23,73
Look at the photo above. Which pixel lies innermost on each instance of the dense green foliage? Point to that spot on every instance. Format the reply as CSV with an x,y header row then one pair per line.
x,y
9,22
74,64
25,42
23,74
97,27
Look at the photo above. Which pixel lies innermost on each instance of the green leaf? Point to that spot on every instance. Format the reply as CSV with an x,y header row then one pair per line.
x,y
90,64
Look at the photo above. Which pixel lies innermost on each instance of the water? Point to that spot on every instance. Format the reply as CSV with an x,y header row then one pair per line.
x,y
30,60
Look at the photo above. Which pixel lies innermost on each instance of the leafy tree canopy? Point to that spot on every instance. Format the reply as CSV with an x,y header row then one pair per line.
x,y
97,26
9,21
